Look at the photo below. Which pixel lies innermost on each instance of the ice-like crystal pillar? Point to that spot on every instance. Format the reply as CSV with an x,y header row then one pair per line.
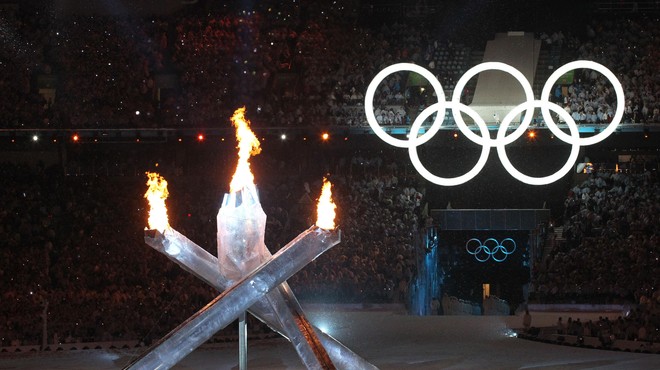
x,y
241,228
190,256
284,320
238,298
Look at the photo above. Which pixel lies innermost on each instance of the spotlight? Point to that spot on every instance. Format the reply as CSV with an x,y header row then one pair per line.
x,y
75,138
455,135
200,137
531,134
35,138
283,136
325,136
323,327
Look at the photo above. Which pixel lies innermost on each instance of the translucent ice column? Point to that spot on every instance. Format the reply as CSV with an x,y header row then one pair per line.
x,y
225,308
241,227
279,309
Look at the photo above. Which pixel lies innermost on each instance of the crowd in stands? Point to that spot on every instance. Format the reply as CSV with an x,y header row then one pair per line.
x,y
76,241
609,253
611,225
377,198
641,324
67,242
292,64
630,50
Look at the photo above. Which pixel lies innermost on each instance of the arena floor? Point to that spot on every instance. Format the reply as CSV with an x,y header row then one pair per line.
x,y
388,340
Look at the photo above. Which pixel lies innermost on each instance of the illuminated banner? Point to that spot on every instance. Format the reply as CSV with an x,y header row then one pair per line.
x,y
502,139
482,252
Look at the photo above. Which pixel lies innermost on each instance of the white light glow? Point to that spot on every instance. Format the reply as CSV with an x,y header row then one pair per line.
x,y
502,139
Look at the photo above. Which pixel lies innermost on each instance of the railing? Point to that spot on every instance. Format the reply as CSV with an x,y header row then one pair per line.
x,y
627,6
145,132
455,306
495,306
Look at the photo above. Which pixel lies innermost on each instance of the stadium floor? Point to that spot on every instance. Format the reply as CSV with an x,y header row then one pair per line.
x,y
389,340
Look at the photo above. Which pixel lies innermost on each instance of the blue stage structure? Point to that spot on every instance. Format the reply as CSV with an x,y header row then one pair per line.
x,y
425,287
428,283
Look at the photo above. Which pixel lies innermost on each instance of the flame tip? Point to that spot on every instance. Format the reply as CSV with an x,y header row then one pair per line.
x,y
326,207
156,194
248,145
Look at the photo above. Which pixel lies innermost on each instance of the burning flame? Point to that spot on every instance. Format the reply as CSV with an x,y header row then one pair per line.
x,y
248,145
326,207
156,195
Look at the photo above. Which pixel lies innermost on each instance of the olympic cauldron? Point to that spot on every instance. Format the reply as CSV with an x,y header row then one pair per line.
x,y
249,277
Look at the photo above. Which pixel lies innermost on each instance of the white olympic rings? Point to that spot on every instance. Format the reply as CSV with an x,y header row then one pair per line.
x,y
502,139
482,249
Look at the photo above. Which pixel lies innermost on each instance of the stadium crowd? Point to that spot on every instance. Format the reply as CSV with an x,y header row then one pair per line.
x,y
76,241
611,225
641,324
380,199
292,64
609,253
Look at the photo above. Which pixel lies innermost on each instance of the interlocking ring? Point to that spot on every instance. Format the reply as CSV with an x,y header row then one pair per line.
x,y
482,252
502,139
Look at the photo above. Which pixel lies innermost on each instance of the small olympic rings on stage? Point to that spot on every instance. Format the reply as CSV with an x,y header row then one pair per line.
x,y
502,139
490,248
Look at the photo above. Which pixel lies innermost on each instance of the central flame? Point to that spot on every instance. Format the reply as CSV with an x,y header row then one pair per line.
x,y
156,195
248,145
326,207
